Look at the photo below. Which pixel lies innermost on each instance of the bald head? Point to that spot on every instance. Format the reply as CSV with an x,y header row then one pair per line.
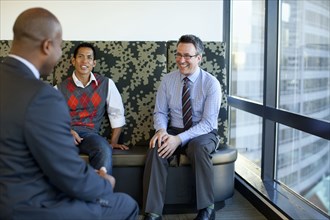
x,y
38,38
35,24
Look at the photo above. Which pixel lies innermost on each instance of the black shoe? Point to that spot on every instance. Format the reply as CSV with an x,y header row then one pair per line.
x,y
150,217
205,214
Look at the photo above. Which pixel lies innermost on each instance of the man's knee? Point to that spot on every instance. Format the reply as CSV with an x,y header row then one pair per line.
x,y
198,147
105,147
130,205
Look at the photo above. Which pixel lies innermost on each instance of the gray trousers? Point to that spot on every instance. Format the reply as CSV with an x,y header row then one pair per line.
x,y
199,151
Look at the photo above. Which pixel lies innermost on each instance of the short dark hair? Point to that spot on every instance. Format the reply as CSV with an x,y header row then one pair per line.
x,y
196,41
89,45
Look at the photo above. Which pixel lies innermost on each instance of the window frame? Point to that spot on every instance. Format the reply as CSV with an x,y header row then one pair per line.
x,y
266,186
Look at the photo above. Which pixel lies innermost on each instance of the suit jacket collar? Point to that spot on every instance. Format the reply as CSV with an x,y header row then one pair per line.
x,y
28,64
24,71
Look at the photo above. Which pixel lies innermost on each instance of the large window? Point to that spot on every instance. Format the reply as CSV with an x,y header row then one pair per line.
x,y
246,134
247,75
303,160
303,165
305,58
248,49
279,94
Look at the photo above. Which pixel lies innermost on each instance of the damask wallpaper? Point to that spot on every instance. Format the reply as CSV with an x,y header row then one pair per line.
x,y
136,67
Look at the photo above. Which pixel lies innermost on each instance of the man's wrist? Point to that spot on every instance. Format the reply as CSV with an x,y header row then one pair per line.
x,y
160,130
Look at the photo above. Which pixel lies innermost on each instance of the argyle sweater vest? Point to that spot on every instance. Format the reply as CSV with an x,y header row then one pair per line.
x,y
87,105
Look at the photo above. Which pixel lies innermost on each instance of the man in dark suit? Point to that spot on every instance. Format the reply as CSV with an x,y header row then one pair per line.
x,y
41,173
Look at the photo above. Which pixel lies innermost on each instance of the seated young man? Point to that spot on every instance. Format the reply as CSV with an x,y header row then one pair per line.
x,y
89,96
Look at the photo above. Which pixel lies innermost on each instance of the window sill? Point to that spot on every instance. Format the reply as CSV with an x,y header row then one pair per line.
x,y
270,198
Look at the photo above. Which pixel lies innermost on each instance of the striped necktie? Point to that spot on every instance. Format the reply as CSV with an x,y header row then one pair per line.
x,y
186,105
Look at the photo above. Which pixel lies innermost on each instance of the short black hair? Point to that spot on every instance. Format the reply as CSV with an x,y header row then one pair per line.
x,y
196,41
85,44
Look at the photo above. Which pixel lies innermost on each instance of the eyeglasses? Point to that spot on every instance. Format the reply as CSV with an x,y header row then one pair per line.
x,y
185,56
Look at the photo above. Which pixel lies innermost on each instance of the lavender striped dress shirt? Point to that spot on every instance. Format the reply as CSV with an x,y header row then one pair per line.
x,y
206,96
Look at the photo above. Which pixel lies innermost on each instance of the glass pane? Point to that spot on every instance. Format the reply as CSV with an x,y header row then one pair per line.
x,y
245,134
303,164
304,85
247,67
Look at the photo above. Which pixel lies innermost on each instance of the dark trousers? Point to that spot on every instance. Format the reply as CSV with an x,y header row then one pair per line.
x,y
98,150
199,151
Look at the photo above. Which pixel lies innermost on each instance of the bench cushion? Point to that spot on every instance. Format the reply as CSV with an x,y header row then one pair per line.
x,y
135,156
223,155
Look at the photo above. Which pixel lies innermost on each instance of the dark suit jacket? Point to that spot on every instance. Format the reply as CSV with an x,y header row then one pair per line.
x,y
39,163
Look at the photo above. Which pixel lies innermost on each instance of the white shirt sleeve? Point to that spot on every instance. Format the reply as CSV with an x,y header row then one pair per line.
x,y
115,107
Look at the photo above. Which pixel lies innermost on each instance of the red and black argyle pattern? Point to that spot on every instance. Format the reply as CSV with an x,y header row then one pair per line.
x,y
87,105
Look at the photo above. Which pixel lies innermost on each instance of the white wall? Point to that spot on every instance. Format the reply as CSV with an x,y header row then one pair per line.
x,y
124,20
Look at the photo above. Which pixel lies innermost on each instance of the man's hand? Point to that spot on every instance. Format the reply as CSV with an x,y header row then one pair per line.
x,y
113,141
76,137
119,146
106,176
168,146
158,137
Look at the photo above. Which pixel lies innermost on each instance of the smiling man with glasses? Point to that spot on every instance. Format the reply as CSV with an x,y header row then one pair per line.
x,y
186,121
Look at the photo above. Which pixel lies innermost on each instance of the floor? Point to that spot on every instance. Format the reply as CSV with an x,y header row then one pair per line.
x,y
238,209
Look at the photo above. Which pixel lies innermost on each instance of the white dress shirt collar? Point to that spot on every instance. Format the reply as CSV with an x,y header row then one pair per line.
x,y
79,83
28,64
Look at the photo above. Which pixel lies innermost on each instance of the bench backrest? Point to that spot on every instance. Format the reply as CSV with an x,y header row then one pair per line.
x,y
137,67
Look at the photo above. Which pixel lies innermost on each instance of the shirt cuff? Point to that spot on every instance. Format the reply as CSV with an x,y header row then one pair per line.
x,y
184,138
118,122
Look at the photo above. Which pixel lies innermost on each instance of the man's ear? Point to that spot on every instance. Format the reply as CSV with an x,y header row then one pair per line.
x,y
73,61
94,63
200,58
46,46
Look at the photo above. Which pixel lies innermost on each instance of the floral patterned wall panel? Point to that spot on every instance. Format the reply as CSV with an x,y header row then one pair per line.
x,y
137,67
